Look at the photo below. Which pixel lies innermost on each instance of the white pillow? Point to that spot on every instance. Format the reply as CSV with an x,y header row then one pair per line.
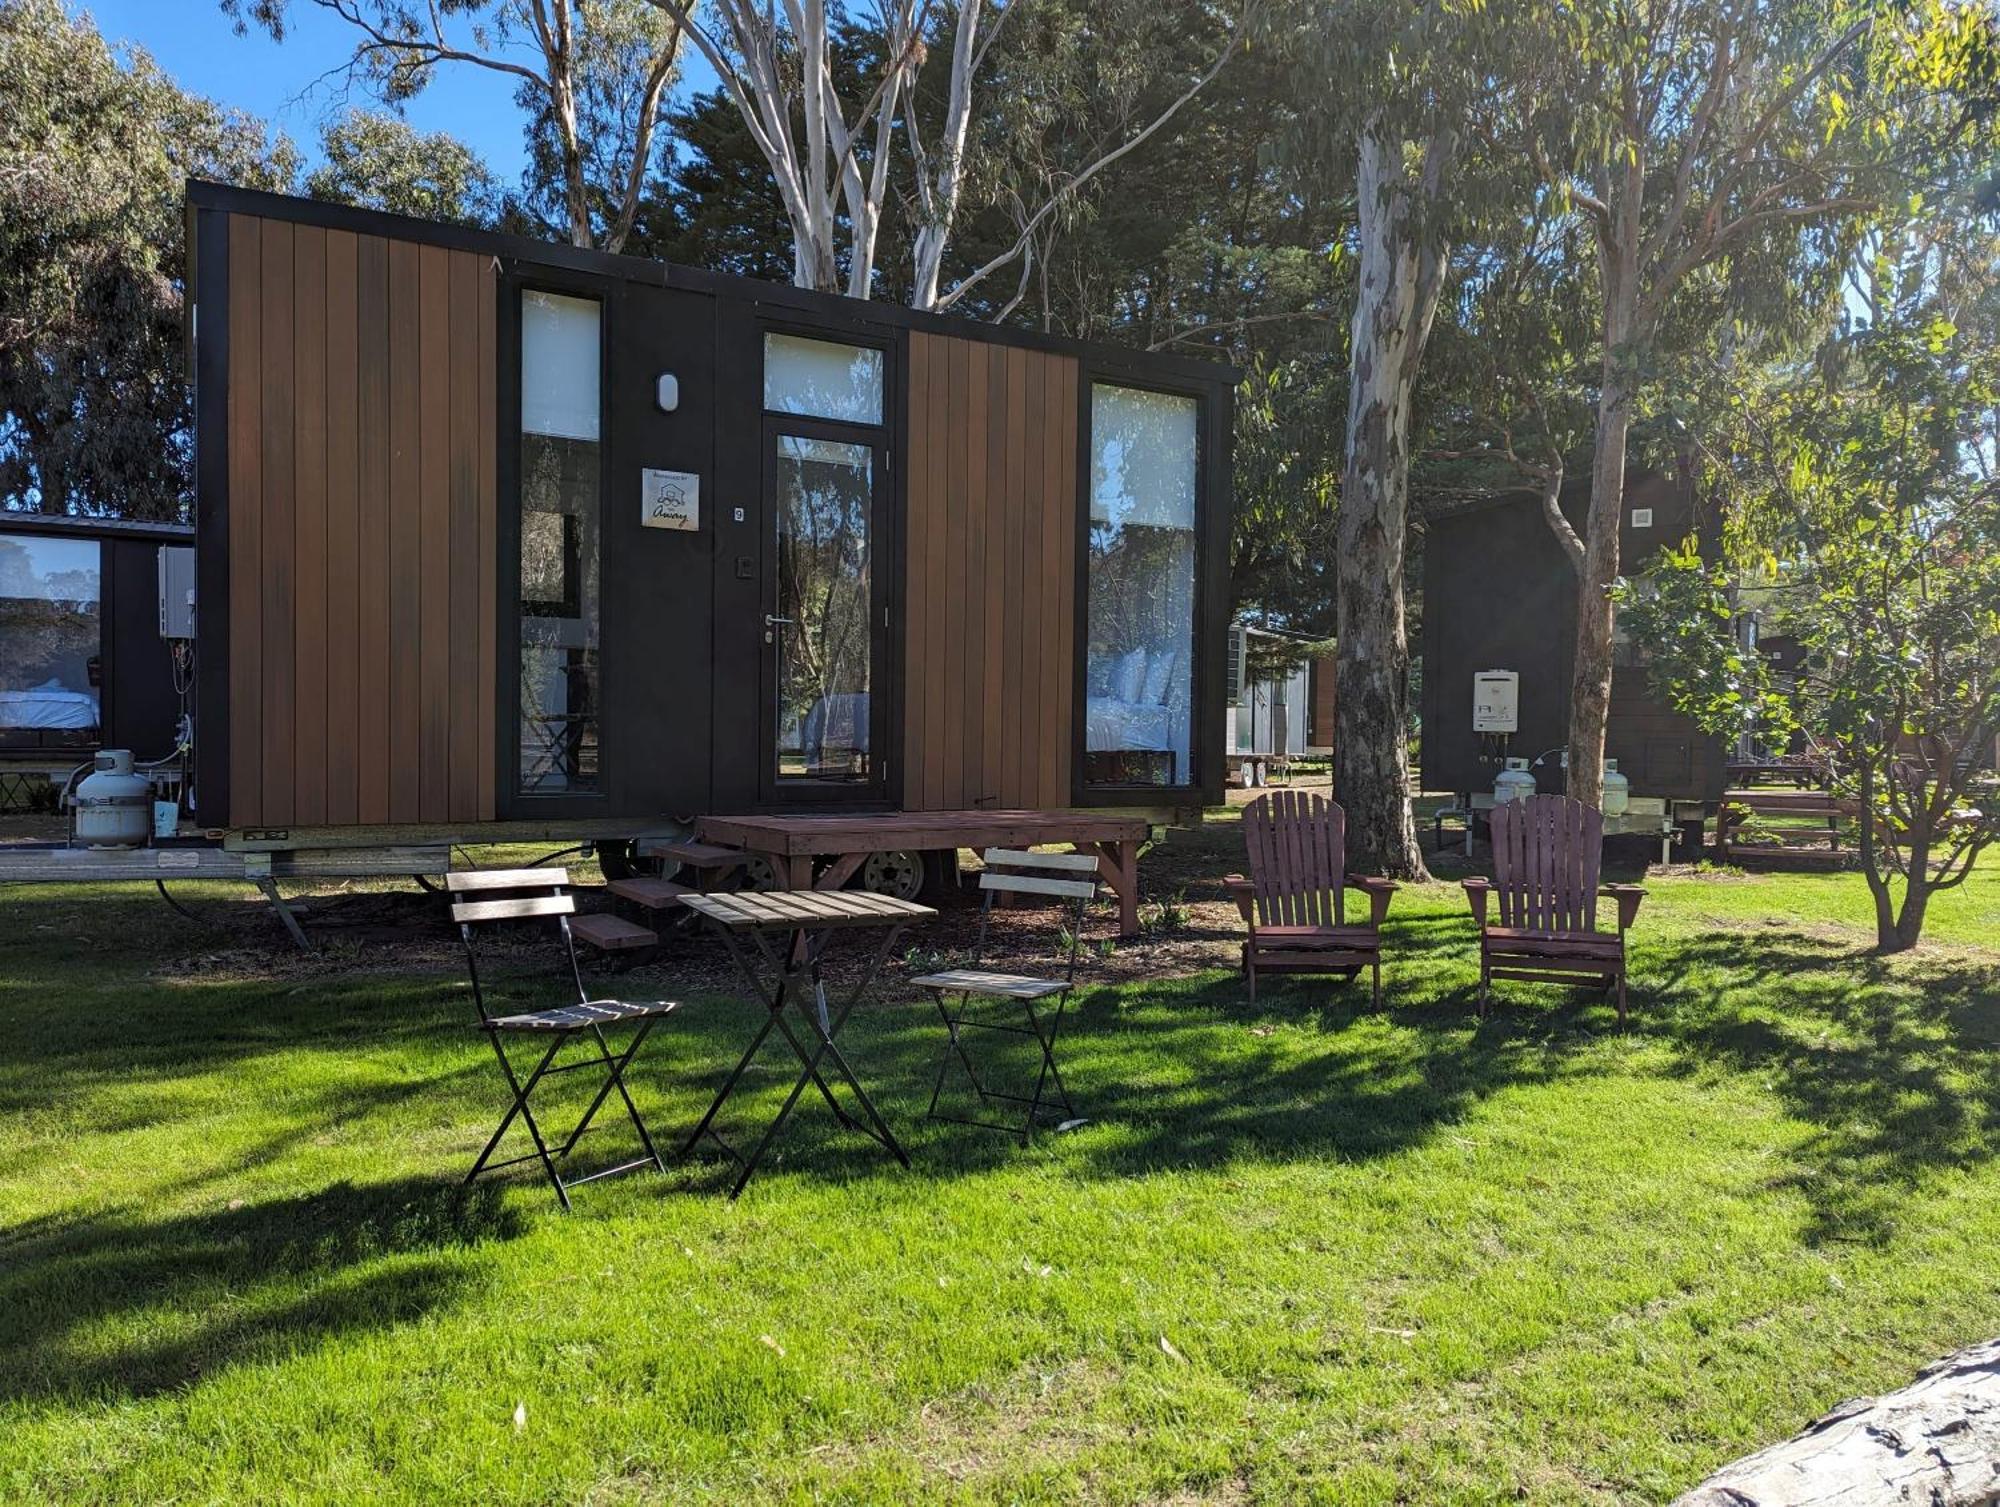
x,y
1128,675
1159,671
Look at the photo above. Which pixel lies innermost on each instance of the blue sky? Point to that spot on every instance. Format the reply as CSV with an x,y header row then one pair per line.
x,y
281,82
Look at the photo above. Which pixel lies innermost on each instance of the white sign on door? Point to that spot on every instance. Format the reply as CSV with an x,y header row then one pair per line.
x,y
670,499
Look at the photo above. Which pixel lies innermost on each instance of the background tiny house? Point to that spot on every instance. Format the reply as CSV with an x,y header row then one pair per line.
x,y
85,661
1499,594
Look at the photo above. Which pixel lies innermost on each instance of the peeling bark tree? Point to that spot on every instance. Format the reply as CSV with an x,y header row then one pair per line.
x,y
776,63
1705,129
556,50
1401,271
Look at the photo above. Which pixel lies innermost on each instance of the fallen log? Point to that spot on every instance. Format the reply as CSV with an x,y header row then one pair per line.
x,y
1935,1442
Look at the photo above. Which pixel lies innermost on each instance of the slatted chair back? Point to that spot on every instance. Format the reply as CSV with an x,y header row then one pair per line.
x,y
1061,876
1547,851
483,897
1296,845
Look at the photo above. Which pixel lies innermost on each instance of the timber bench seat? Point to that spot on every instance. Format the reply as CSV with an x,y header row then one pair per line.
x,y
1794,827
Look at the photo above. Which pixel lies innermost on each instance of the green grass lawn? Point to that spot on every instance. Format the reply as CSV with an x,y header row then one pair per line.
x,y
1302,1252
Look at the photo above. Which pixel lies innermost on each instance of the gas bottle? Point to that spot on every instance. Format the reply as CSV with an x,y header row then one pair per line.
x,y
1617,790
1514,783
114,806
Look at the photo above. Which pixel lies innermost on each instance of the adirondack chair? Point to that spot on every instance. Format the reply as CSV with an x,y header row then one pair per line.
x,y
1293,900
1546,851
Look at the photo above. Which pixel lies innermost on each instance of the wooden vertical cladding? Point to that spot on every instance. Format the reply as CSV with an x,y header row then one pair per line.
x,y
989,634
361,528
246,532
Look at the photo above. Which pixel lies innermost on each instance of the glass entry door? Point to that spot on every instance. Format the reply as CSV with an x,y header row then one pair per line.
x,y
823,623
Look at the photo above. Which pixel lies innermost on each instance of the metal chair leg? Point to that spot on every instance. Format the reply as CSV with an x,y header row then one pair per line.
x,y
615,1078
520,1107
1049,1068
954,1046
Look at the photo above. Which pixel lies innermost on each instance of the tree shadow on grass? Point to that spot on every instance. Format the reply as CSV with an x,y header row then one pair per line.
x,y
1190,1073
120,1305
1895,1063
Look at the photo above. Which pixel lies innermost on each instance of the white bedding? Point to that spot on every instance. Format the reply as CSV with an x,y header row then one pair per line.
x,y
48,705
839,721
1113,724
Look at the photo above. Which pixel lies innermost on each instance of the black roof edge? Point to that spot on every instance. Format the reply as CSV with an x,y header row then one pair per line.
x,y
230,199
76,526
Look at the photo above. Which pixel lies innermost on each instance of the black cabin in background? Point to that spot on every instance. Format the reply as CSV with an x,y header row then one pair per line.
x,y
1499,594
83,663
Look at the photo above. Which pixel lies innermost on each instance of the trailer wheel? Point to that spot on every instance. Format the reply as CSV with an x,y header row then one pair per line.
x,y
757,874
898,872
619,858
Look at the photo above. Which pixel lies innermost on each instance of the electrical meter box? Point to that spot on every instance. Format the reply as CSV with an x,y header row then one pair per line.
x,y
1496,701
176,592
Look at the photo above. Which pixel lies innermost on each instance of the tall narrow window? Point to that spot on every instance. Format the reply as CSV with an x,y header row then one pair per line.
x,y
824,405
50,638
825,626
1139,673
560,415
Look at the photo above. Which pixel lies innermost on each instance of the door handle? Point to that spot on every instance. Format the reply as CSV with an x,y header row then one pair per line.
x,y
772,622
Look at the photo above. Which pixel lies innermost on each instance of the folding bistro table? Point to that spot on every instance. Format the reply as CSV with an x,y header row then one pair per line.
x,y
788,932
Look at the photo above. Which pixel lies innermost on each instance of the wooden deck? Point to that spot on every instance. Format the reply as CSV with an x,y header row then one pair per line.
x,y
791,843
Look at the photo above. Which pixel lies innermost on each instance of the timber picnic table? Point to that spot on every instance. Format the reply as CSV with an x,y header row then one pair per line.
x,y
788,934
792,843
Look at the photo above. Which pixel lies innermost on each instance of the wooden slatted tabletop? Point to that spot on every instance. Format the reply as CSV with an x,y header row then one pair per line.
x,y
792,843
798,910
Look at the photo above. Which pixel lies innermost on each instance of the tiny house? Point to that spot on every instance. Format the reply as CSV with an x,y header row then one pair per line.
x,y
1286,715
498,537
1500,596
86,661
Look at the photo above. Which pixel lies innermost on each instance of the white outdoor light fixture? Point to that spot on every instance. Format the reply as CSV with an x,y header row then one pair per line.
x,y
668,392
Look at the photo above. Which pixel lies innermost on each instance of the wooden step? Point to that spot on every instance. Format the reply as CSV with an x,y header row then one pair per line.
x,y
612,933
698,855
648,894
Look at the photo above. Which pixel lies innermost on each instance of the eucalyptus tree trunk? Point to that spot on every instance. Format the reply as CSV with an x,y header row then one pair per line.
x,y
1400,273
1590,675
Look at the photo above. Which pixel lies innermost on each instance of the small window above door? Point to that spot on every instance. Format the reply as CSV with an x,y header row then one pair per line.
x,y
823,379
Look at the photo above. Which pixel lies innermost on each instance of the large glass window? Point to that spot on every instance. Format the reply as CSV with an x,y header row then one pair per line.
x,y
1139,674
823,379
560,519
50,638
823,628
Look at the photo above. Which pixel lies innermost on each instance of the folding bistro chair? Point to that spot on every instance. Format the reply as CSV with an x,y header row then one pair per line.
x,y
484,897
1011,872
